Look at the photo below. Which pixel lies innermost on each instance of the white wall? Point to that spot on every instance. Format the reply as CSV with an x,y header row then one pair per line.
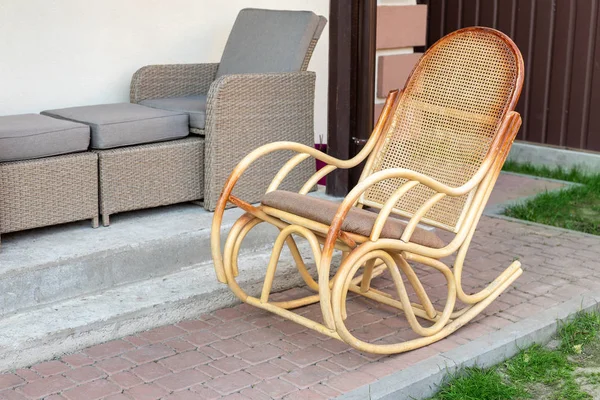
x,y
61,53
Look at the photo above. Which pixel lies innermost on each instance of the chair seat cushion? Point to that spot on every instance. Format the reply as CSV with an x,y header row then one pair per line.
x,y
125,124
27,136
358,221
194,106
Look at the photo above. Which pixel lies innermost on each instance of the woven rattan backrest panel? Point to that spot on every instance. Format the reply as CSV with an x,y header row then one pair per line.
x,y
445,121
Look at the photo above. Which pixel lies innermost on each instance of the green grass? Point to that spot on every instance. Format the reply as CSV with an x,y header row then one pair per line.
x,y
576,208
536,372
559,173
538,364
582,330
479,384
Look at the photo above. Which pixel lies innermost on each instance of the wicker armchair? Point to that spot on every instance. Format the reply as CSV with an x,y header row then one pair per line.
x,y
259,93
432,159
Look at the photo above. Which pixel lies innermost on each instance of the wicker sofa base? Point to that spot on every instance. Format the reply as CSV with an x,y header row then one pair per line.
x,y
48,191
150,175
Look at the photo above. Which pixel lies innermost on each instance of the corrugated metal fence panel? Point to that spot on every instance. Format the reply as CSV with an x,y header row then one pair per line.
x,y
560,42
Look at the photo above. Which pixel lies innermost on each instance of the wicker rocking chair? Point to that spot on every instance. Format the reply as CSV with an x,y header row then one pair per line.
x,y
433,159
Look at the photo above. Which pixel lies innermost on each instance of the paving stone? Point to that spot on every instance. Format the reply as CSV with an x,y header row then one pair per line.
x,y
46,386
84,374
151,371
230,347
50,368
202,338
108,349
211,352
349,381
8,381
265,370
310,355
92,390
261,353
162,333
232,383
192,325
305,394
231,329
77,360
147,391
210,371
260,336
349,360
327,391
136,340
333,368
185,360
228,314
11,395
126,380
118,396
28,374
114,365
276,388
229,364
204,392
308,376
186,395
182,380
253,393
180,345
149,353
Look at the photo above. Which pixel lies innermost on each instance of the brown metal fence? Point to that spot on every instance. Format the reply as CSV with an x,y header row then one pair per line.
x,y
560,42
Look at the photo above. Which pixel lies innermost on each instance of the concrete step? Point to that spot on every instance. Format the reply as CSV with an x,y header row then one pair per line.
x,y
45,266
49,331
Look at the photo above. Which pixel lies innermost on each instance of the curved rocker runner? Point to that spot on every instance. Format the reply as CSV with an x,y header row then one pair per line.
x,y
433,159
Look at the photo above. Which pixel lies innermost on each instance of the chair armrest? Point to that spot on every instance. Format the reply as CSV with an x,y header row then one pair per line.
x,y
246,111
171,80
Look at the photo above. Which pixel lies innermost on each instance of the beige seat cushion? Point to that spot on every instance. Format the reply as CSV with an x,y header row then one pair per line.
x,y
357,221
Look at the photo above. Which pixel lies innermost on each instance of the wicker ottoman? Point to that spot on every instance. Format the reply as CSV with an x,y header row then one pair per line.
x,y
135,172
150,175
39,184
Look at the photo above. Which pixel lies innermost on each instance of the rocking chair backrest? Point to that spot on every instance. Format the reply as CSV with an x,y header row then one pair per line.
x,y
451,109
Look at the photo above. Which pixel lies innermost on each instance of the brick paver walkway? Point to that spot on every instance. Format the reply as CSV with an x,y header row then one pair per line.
x,y
245,353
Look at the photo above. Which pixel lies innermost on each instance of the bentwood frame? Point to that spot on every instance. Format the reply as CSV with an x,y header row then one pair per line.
x,y
377,254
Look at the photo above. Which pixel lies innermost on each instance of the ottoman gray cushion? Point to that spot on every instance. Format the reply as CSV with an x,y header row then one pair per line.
x,y
27,136
125,124
194,106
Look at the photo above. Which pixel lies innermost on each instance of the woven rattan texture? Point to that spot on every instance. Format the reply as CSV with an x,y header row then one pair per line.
x,y
248,111
151,175
446,119
172,80
48,191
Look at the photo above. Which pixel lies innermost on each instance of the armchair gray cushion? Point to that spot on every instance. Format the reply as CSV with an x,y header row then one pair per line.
x,y
194,106
264,41
27,136
125,124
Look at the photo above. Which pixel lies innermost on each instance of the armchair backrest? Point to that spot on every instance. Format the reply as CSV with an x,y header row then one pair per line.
x,y
449,114
263,41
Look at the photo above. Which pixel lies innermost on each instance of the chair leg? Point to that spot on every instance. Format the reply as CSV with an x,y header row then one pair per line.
x,y
95,222
105,220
